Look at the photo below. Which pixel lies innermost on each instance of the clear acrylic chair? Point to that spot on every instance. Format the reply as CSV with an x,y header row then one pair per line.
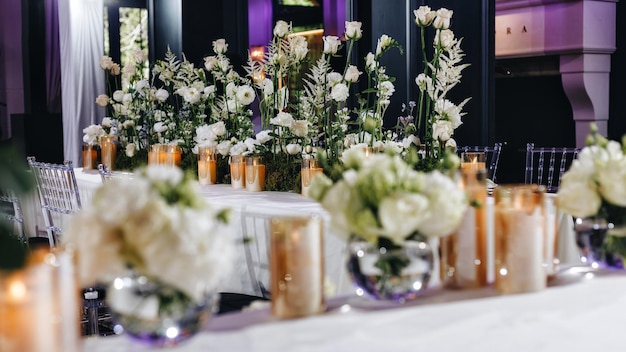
x,y
492,156
546,165
107,174
58,193
11,210
255,233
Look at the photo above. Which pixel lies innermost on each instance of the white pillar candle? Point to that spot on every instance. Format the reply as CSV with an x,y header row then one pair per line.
x,y
237,171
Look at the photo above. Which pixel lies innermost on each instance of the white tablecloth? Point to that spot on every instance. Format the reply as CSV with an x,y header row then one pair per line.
x,y
579,313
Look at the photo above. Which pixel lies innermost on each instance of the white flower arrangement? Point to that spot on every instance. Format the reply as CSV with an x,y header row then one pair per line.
x,y
596,179
380,195
156,224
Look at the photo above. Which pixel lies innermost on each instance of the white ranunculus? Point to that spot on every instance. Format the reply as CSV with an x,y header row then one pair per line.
x,y
282,119
263,136
160,127
245,95
102,100
191,95
442,20
424,16
161,95
300,128
118,96
220,46
401,214
331,44
294,149
281,29
352,74
353,30
340,92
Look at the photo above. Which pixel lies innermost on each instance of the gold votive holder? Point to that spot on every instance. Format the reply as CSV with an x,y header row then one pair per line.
x,y
172,155
473,160
207,165
519,238
237,171
39,306
108,151
90,156
255,174
310,168
463,261
296,266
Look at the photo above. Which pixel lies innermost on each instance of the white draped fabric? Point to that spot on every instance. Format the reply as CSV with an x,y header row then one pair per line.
x,y
82,79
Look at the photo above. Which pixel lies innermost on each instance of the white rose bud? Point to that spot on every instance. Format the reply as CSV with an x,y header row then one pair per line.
x,y
331,44
281,29
444,38
219,128
220,46
442,21
106,62
210,62
424,16
352,74
353,30
293,149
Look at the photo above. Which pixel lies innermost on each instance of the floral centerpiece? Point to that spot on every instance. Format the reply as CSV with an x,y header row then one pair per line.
x,y
436,117
158,229
382,200
595,186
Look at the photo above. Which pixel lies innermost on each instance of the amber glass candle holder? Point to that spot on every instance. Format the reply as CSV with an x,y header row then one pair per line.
x,y
173,155
519,238
237,171
90,156
473,160
310,167
296,266
255,174
108,149
207,165
464,261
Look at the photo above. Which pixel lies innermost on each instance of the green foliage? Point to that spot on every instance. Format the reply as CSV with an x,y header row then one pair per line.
x,y
282,173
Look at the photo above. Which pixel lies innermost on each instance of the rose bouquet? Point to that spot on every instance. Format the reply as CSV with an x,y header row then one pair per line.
x,y
156,225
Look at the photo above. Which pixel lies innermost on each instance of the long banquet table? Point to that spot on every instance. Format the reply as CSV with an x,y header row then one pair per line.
x,y
582,311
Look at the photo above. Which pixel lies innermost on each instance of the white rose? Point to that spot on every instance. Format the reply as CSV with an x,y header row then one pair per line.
x,y
402,213
293,149
352,74
220,46
107,122
444,38
139,56
102,100
130,150
333,78
245,95
210,62
281,29
447,204
331,44
424,16
442,20
340,92
300,128
224,148
353,30
161,95
578,197
612,182
251,144
218,128
337,201
118,96
106,62
115,69
238,149
298,47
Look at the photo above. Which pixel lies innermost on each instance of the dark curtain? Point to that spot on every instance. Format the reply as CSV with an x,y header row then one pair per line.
x,y
53,57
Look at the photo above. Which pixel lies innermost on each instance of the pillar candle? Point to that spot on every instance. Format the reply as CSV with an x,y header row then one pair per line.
x,y
108,149
255,174
237,171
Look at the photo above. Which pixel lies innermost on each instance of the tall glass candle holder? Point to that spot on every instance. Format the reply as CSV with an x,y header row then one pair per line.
x,y
172,155
310,167
156,154
296,266
473,160
464,261
207,165
255,174
519,238
90,156
237,171
108,150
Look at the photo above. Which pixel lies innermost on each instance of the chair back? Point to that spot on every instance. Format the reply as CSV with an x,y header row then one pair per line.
x,y
58,192
11,210
492,156
546,165
256,244
107,174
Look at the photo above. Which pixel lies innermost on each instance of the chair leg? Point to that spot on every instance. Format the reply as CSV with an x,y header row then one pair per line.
x,y
92,304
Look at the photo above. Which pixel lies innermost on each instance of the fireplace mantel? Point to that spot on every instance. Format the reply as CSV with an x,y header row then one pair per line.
x,y
581,33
